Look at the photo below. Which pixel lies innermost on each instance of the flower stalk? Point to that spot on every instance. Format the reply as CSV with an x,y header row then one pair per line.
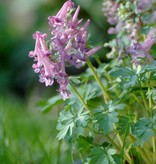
x,y
105,93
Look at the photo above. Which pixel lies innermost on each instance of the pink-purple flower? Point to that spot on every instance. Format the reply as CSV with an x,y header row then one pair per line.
x,y
140,51
110,8
68,44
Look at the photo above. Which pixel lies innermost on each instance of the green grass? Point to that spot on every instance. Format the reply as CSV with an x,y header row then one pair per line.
x,y
27,136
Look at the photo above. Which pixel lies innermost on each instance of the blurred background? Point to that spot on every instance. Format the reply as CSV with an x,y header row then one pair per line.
x,y
27,135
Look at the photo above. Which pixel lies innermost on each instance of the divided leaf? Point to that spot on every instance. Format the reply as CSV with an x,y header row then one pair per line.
x,y
102,155
128,77
148,68
75,79
46,106
124,125
152,94
106,120
71,119
114,105
107,116
84,144
142,129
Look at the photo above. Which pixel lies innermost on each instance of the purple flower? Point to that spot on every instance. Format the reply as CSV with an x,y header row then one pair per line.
x,y
44,65
141,50
150,40
116,29
68,44
110,8
68,38
144,4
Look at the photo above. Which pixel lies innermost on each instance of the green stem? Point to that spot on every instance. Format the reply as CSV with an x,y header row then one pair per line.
x,y
107,76
71,154
59,152
98,60
81,158
144,155
110,79
150,99
136,98
144,98
79,96
123,147
118,137
112,142
105,93
154,148
127,157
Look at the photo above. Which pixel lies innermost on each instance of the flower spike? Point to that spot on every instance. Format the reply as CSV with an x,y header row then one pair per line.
x,y
68,44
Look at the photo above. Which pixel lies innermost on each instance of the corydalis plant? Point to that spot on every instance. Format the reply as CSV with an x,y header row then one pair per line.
x,y
67,45
111,114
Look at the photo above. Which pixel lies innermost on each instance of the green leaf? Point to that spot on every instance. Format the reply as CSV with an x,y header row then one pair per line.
x,y
106,120
91,91
148,68
131,82
128,77
124,125
100,155
46,106
75,79
107,115
142,129
65,124
114,105
152,94
84,144
73,118
153,120
122,72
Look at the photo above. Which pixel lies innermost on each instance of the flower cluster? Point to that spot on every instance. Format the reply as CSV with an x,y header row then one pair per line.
x,y
67,45
134,29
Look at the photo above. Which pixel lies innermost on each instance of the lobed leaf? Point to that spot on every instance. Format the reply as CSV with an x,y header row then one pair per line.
x,y
74,118
142,129
128,77
102,155
106,120
124,125
46,106
84,144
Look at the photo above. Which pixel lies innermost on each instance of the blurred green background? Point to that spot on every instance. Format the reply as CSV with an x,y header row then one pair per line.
x,y
27,135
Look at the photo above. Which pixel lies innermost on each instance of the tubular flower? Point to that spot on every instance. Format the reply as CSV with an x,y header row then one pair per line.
x,y
68,44
130,19
110,8
138,52
44,65
141,50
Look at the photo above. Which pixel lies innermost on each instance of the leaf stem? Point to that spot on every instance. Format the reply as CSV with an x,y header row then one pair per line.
x,y
107,75
59,151
150,100
123,147
127,157
105,93
154,148
79,96
144,98
110,80
118,137
144,155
